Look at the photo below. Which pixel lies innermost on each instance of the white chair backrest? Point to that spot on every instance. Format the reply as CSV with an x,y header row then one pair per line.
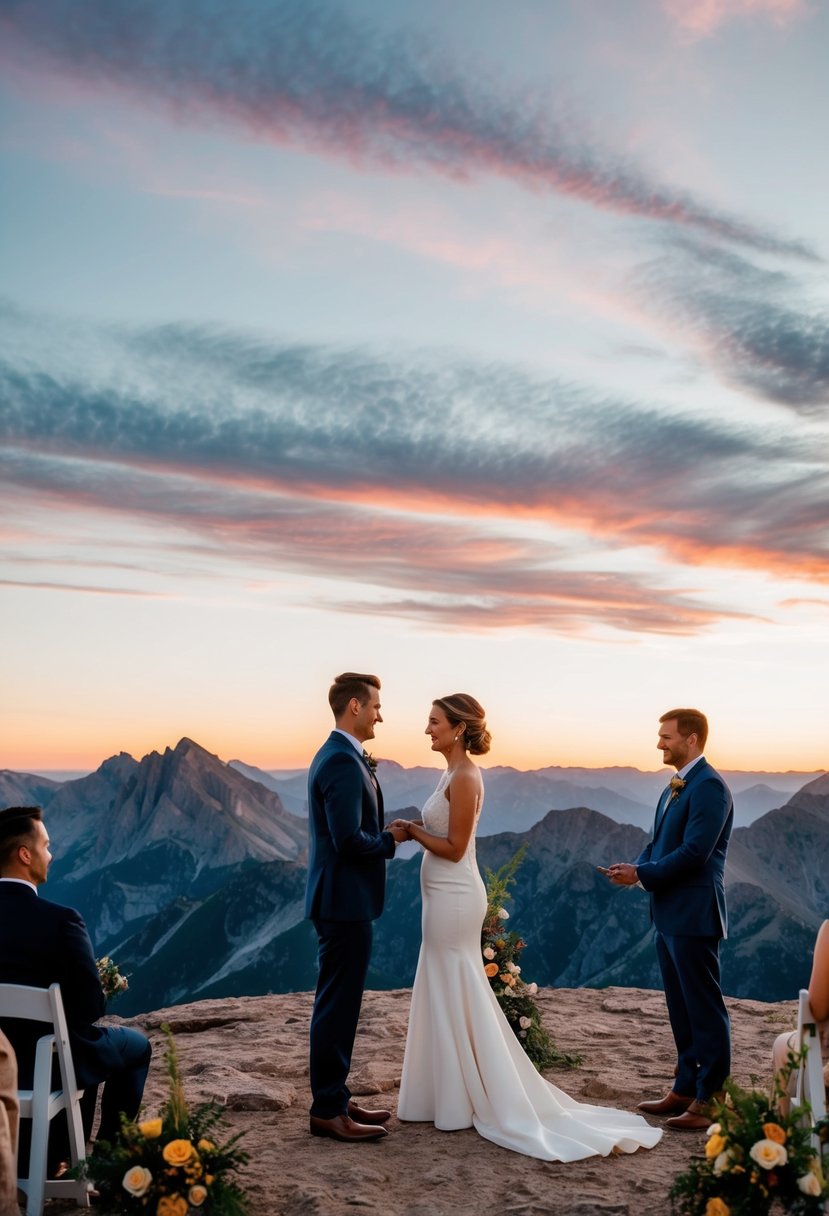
x,y
809,1086
42,1005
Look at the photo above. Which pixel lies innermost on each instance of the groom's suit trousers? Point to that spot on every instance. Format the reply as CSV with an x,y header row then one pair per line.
x,y
690,969
344,953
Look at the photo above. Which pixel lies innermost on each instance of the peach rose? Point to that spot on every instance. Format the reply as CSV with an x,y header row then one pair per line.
x,y
197,1195
206,1146
773,1131
178,1152
137,1181
722,1164
491,969
768,1154
809,1184
150,1129
716,1207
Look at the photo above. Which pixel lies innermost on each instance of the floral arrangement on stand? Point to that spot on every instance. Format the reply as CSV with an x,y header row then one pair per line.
x,y
501,948
175,1165
112,981
757,1161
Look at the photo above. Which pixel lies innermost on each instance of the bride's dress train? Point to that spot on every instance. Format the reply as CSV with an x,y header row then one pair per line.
x,y
463,1065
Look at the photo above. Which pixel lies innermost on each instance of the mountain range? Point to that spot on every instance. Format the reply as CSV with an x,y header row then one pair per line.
x,y
515,800
190,871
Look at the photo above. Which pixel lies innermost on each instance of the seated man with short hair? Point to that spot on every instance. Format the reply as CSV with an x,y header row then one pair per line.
x,y
42,943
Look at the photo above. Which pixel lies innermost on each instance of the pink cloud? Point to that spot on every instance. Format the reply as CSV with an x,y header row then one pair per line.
x,y
701,18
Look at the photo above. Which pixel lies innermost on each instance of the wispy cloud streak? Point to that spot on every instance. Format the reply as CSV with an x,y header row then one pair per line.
x,y
306,74
476,577
289,425
759,327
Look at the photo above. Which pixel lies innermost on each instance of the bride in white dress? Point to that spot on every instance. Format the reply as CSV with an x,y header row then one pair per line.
x,y
463,1065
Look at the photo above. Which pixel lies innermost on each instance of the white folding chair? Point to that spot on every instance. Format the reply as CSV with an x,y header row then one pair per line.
x,y
809,1086
41,1103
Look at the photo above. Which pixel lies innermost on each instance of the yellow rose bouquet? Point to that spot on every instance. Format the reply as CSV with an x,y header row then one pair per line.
x,y
174,1165
756,1162
501,949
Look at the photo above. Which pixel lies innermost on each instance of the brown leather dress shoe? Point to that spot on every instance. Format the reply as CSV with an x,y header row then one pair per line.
x,y
361,1115
697,1118
671,1104
341,1127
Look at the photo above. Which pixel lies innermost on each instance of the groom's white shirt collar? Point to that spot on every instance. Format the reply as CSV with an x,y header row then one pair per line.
x,y
683,772
24,881
355,743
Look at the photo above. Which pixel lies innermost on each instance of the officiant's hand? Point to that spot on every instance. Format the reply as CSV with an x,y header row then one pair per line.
x,y
622,874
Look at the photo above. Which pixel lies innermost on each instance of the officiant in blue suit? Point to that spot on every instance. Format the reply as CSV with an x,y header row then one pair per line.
x,y
348,851
683,869
43,943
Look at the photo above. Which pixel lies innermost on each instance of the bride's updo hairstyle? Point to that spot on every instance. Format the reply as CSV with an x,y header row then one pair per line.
x,y
460,708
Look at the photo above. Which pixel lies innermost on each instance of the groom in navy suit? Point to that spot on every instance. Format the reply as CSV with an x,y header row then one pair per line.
x,y
683,868
345,893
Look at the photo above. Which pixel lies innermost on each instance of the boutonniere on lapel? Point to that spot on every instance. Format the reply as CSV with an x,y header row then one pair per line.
x,y
677,784
372,763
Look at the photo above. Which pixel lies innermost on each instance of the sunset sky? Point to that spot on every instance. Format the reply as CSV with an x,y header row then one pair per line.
x,y
481,345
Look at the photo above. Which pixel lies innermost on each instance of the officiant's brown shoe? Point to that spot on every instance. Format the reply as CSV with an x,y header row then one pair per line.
x,y
671,1104
361,1115
697,1118
341,1127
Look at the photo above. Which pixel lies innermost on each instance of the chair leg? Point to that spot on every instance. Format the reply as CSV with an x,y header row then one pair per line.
x,y
37,1163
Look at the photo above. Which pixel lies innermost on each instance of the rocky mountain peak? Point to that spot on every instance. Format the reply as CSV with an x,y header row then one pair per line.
x,y
813,797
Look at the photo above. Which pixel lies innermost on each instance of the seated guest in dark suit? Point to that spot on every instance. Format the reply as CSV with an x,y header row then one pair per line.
x,y
42,943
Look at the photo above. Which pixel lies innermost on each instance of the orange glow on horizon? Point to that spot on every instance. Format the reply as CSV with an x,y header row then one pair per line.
x,y
752,756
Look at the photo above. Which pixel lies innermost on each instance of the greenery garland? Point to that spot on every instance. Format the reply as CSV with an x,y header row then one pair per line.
x,y
501,949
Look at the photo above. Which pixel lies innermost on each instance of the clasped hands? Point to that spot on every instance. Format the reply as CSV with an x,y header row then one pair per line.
x,y
399,829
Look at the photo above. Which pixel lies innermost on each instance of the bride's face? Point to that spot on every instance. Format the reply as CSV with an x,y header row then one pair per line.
x,y
440,730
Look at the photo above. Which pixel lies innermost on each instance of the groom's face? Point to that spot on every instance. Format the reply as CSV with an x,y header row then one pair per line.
x,y
367,717
676,749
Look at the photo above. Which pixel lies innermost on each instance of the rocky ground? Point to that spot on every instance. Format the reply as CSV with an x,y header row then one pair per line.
x,y
251,1054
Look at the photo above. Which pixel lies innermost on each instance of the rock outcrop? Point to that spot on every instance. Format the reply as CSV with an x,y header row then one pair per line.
x,y
250,1054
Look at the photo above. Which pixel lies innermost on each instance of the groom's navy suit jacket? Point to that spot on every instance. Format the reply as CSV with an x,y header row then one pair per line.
x,y
348,847
683,866
42,943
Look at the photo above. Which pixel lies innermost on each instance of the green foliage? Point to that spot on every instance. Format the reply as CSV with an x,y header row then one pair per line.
x,y
501,948
756,1161
175,1165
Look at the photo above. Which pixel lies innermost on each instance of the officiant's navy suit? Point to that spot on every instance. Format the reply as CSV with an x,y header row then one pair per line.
x,y
345,893
43,943
683,869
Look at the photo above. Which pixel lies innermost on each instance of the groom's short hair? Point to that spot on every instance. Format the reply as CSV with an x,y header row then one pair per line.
x,y
350,684
689,722
17,827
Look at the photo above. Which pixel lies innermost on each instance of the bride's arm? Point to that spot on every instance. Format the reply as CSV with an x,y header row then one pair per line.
x,y
464,792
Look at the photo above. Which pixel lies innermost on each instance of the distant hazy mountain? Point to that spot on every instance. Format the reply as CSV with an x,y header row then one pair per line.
x,y
515,800
25,789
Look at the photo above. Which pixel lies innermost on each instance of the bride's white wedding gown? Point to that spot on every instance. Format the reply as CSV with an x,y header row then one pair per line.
x,y
463,1065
